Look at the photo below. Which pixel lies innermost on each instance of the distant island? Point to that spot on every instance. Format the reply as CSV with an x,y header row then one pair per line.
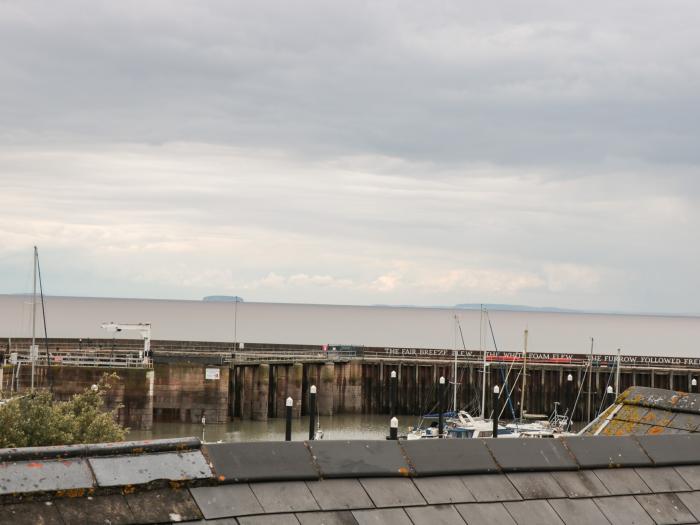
x,y
516,308
223,299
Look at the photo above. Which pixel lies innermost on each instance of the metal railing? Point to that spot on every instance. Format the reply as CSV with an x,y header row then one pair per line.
x,y
89,358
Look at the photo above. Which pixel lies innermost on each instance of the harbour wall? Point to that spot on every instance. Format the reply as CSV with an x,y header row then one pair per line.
x,y
211,381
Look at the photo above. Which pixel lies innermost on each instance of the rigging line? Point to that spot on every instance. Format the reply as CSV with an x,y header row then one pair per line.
x,y
505,383
578,395
464,346
515,384
49,375
605,392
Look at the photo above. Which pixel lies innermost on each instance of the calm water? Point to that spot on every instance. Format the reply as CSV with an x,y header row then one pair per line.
x,y
346,426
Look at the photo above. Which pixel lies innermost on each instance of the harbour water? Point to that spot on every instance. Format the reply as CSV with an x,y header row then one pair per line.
x,y
343,426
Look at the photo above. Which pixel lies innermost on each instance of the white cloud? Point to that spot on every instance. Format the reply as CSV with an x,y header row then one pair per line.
x,y
542,153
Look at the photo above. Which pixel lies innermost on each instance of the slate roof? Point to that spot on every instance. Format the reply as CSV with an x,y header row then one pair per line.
x,y
649,411
572,480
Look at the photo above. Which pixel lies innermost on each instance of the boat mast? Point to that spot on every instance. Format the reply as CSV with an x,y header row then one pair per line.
x,y
454,374
590,373
32,349
522,392
483,353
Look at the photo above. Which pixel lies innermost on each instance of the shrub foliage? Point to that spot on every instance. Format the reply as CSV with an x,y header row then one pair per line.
x,y
37,419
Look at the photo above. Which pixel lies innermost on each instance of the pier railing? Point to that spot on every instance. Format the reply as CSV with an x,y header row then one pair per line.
x,y
88,358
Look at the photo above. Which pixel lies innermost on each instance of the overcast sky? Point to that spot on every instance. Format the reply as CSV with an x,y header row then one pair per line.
x,y
429,153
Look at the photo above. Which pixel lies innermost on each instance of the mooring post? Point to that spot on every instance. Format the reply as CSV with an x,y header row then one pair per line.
x,y
393,386
204,422
441,406
694,386
288,430
611,396
569,394
312,412
496,391
394,429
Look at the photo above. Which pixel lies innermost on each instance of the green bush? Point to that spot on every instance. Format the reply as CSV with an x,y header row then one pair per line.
x,y
36,419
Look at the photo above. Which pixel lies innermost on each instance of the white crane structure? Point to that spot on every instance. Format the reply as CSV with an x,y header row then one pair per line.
x,y
143,328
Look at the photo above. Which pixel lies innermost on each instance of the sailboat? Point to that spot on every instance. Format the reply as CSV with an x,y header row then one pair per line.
x,y
460,423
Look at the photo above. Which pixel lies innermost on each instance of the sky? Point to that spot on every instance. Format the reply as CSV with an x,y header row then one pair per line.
x,y
427,153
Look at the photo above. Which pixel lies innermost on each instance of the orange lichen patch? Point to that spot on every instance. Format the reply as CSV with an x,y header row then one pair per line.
x,y
71,493
657,417
404,471
656,430
222,478
128,489
35,465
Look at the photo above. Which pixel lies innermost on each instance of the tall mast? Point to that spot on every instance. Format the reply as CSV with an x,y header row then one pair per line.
x,y
590,373
522,392
454,375
483,376
31,351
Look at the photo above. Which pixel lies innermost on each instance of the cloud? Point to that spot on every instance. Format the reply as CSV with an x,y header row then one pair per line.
x,y
407,153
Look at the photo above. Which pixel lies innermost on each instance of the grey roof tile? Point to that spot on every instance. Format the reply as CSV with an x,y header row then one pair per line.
x,y
226,500
491,487
392,492
578,512
359,458
657,431
687,422
662,479
623,510
665,508
44,513
606,451
135,470
434,515
691,475
692,501
343,517
660,398
39,476
532,512
269,519
622,481
531,454
108,510
657,417
536,485
261,461
443,489
448,456
381,517
623,428
679,449
281,496
339,494
631,413
163,505
485,514
580,484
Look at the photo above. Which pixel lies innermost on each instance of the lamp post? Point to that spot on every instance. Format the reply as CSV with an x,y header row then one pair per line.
x,y
441,405
496,392
288,427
